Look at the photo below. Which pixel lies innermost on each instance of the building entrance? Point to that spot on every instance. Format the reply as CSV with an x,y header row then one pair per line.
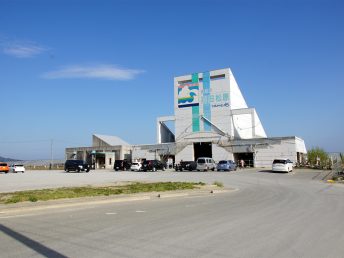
x,y
247,157
202,149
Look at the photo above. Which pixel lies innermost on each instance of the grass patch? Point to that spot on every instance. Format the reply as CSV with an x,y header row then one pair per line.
x,y
217,183
88,191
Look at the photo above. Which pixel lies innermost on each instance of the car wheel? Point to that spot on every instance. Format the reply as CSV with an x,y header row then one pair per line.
x,y
78,170
163,169
213,169
153,169
67,170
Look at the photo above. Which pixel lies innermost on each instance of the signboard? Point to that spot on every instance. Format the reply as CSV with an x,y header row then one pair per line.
x,y
188,95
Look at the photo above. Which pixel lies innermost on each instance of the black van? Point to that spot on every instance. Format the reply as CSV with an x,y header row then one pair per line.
x,y
153,165
122,165
186,165
76,165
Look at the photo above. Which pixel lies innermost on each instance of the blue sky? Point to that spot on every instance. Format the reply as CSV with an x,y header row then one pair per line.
x,y
69,69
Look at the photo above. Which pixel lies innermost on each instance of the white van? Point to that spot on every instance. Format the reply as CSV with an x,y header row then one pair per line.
x,y
282,165
205,164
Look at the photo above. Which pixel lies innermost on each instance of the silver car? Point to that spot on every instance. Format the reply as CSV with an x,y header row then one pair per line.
x,y
205,164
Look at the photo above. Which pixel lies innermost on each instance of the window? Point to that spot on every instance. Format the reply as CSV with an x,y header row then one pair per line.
x,y
217,77
183,82
201,161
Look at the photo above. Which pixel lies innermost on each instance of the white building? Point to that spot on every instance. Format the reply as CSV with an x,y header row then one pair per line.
x,y
212,119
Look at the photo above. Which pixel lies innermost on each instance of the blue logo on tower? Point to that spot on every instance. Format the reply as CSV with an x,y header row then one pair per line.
x,y
188,95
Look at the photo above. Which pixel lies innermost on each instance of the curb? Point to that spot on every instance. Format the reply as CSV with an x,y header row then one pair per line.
x,y
8,209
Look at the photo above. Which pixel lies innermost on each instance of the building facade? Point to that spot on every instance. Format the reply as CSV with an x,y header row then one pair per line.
x,y
212,119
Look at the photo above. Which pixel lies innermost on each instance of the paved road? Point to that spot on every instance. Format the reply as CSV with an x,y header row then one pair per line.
x,y
271,215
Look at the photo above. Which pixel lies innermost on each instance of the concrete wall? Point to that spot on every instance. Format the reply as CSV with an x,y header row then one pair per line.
x,y
266,154
139,154
220,153
109,160
186,154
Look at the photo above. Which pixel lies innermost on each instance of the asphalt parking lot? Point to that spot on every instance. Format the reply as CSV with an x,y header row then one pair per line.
x,y
39,179
268,215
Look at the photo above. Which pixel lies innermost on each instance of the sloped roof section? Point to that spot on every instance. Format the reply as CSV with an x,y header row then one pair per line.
x,y
107,140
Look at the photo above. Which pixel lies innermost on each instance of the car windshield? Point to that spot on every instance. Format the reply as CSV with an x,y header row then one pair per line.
x,y
18,165
201,161
3,164
279,161
135,164
223,162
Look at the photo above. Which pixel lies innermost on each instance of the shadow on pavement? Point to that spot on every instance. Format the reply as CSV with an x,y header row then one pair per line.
x,y
39,248
272,172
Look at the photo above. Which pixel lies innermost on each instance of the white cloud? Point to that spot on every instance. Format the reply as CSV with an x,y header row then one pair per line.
x,y
22,49
107,72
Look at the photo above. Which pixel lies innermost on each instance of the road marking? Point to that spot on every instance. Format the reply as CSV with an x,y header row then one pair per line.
x,y
111,213
16,216
140,211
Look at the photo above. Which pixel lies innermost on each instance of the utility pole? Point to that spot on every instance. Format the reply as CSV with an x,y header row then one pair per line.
x,y
51,153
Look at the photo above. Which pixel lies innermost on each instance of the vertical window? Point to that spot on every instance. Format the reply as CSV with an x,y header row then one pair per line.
x,y
110,161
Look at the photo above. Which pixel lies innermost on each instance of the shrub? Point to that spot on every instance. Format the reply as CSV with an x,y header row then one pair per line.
x,y
33,199
317,157
219,184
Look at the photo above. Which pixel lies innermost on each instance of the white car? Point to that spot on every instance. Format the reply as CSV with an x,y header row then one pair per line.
x,y
136,166
282,165
15,168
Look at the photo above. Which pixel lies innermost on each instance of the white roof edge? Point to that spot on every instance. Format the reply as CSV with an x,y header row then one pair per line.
x,y
214,71
112,140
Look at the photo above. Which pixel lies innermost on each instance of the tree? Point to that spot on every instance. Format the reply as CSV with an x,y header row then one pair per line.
x,y
317,157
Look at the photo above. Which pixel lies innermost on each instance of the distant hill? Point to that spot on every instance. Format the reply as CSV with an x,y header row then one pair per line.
x,y
2,159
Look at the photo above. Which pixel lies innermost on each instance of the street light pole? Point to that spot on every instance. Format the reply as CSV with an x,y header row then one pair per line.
x,y
51,153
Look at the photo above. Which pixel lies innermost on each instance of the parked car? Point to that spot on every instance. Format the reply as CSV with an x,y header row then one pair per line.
x,y
76,165
4,167
205,164
282,165
153,165
136,166
15,168
186,165
121,165
226,165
